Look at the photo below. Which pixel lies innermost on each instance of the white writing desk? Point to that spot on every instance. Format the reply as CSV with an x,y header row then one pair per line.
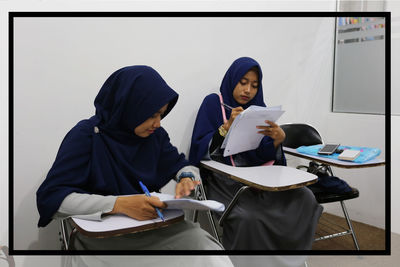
x,y
334,162
118,224
268,178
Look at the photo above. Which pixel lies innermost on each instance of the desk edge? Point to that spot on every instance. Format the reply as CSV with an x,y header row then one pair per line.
x,y
309,157
130,230
261,187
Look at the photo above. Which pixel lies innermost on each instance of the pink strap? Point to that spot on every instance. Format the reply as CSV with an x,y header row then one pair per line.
x,y
268,163
222,108
225,120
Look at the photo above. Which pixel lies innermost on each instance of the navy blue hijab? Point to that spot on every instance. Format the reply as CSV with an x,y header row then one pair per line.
x,y
233,75
102,155
209,116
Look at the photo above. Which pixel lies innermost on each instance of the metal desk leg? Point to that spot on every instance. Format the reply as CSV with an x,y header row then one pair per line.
x,y
64,234
232,203
350,225
200,194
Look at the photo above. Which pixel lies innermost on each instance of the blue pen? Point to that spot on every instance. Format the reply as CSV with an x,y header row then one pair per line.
x,y
147,193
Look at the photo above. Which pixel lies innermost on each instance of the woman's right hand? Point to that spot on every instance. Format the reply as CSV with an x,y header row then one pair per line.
x,y
139,207
235,111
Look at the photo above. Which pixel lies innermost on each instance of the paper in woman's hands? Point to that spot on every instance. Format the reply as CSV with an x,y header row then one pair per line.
x,y
188,203
243,134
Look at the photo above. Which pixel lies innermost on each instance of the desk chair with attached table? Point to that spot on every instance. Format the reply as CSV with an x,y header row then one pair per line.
x,y
298,134
281,178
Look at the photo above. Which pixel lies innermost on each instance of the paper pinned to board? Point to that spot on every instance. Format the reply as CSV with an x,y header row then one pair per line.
x,y
243,134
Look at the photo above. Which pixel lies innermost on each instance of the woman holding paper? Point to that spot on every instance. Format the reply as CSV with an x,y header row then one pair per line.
x,y
103,160
260,219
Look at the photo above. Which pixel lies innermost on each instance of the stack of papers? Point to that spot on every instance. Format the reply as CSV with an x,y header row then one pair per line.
x,y
188,203
243,134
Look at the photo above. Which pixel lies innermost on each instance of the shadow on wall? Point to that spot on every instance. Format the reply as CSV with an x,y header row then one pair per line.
x,y
24,226
186,141
48,236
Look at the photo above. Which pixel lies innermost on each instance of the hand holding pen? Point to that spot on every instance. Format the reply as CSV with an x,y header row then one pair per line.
x,y
147,193
138,206
234,113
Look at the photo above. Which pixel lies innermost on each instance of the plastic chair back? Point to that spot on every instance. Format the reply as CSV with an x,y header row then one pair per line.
x,y
299,134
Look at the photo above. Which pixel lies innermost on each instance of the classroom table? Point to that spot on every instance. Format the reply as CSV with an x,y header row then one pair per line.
x,y
334,162
328,162
268,178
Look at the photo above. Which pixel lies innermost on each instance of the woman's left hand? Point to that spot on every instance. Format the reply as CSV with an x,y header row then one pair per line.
x,y
273,131
185,187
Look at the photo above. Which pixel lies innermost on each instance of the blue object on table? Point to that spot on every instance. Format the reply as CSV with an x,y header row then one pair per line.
x,y
367,153
147,193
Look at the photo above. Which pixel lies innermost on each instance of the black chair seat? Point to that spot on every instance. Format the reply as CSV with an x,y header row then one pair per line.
x,y
326,197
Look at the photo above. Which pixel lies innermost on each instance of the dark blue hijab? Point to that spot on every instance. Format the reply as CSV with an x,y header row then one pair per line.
x,y
209,116
102,155
233,75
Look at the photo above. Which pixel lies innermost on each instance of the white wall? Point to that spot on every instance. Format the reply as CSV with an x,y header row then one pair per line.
x,y
299,68
61,63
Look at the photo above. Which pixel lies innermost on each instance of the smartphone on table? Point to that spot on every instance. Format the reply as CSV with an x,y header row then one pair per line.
x,y
328,149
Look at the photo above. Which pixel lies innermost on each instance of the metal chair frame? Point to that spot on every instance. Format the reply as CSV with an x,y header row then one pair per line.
x,y
328,169
349,231
66,236
200,194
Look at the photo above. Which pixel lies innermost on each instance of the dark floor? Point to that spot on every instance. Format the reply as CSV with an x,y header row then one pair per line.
x,y
368,237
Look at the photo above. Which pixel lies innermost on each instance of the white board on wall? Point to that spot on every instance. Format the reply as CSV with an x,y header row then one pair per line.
x,y
359,83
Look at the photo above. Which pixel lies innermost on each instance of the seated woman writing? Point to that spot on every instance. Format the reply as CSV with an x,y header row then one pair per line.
x,y
102,159
284,220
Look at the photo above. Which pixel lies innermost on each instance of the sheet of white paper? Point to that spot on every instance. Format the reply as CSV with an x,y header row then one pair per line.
x,y
243,134
250,110
187,203
253,107
174,209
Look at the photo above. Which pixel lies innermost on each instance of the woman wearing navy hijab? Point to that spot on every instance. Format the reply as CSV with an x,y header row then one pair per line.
x,y
264,220
102,159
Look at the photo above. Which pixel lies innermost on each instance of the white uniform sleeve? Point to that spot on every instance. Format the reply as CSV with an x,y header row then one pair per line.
x,y
85,206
